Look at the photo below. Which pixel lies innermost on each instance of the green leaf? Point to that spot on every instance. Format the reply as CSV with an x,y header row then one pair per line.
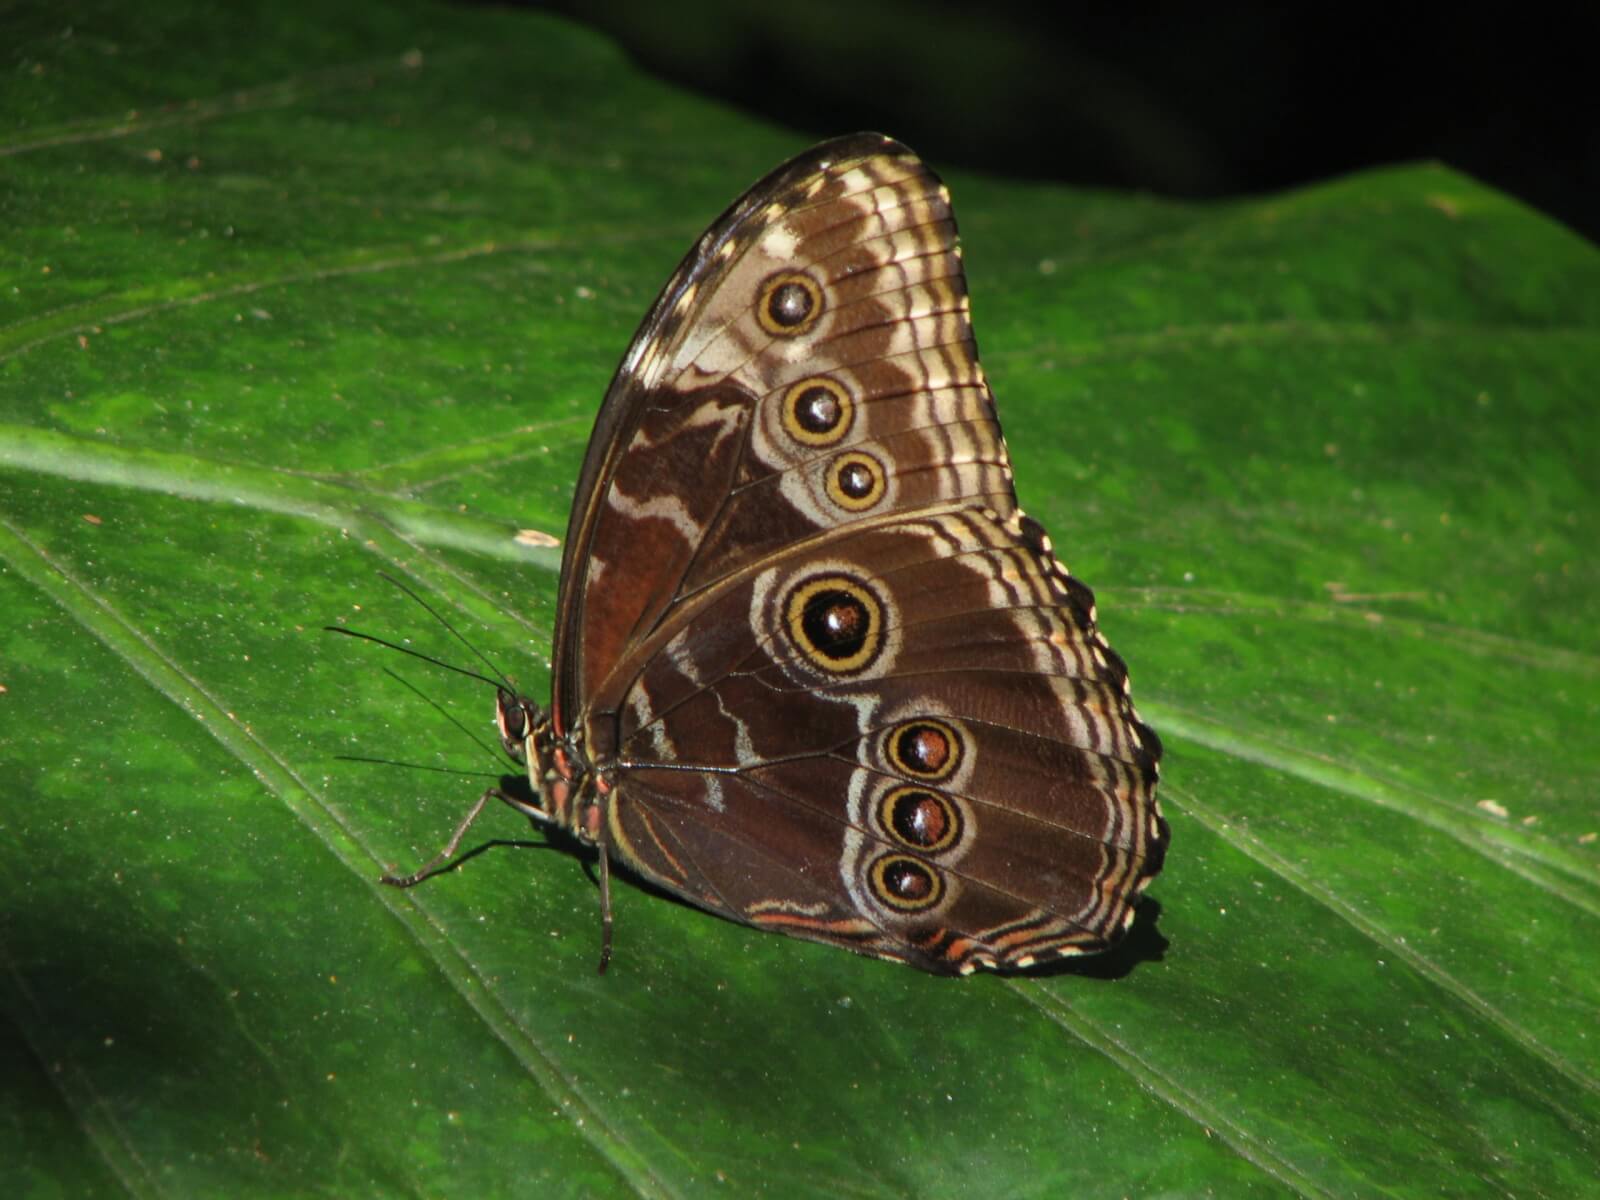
x,y
312,301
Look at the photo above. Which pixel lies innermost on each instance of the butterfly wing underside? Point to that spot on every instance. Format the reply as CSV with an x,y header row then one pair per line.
x,y
848,691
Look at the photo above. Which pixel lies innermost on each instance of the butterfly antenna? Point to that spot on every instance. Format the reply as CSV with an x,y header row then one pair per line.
x,y
427,658
445,713
453,631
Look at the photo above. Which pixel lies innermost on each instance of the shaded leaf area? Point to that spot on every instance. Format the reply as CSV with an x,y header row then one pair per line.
x,y
344,300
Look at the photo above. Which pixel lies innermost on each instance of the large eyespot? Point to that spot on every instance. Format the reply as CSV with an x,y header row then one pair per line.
x,y
905,884
818,411
837,623
924,749
855,481
789,305
918,818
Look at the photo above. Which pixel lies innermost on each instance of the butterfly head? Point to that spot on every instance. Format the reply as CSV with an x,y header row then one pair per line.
x,y
519,719
556,764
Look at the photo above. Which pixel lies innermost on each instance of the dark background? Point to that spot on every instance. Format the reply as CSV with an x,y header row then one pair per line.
x,y
1183,100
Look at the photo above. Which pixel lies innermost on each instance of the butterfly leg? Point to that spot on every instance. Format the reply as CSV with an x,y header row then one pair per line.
x,y
441,860
605,907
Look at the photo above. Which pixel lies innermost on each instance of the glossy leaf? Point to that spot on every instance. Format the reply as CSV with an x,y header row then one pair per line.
x,y
308,303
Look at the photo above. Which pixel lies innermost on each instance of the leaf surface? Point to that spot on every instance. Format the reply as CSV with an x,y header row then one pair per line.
x,y
313,301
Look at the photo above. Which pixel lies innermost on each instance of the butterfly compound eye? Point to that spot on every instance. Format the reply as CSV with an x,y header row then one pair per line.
x,y
512,717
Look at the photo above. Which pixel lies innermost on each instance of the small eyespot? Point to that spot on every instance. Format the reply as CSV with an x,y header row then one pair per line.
x,y
818,411
924,749
789,305
855,481
920,819
836,622
905,884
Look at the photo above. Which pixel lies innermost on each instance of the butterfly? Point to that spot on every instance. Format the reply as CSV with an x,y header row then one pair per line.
x,y
813,668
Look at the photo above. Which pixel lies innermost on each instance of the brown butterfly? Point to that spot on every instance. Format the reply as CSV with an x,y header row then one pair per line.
x,y
814,670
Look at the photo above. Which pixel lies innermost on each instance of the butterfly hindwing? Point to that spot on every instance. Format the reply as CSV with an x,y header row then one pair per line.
x,y
968,739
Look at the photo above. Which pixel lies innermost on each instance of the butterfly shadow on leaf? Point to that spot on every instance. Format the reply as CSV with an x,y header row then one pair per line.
x,y
1142,943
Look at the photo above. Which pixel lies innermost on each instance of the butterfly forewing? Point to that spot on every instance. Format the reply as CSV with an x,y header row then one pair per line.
x,y
828,678
862,397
